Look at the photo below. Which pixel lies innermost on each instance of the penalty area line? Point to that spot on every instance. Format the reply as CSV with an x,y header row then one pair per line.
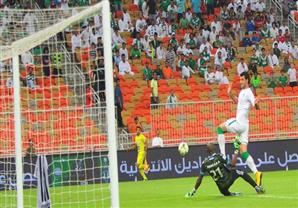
x,y
263,196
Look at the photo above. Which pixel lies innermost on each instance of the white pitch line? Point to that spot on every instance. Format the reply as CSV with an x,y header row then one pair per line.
x,y
263,196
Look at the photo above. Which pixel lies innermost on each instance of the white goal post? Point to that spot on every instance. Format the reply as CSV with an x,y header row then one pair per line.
x,y
23,45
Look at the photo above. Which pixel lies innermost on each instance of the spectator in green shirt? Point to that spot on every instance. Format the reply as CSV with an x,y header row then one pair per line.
x,y
263,59
183,22
192,62
159,72
155,42
164,5
203,69
276,50
192,42
147,73
135,53
117,5
283,79
173,41
57,60
265,33
181,62
217,43
272,82
255,80
195,22
210,6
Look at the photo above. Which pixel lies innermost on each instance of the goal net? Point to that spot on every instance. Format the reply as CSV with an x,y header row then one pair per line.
x,y
54,108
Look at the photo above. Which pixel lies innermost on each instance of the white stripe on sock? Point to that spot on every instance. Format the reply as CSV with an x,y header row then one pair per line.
x,y
222,144
251,164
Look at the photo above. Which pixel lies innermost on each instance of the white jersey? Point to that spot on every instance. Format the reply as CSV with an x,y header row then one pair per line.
x,y
246,99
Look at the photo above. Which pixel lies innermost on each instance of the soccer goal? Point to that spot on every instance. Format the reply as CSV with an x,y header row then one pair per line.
x,y
57,123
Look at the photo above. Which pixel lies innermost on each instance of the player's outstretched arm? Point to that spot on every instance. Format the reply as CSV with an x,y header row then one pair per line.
x,y
133,147
230,93
234,159
257,106
197,185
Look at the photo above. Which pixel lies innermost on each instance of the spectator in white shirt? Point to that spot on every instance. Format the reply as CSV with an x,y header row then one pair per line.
x,y
213,35
186,71
219,59
181,47
217,25
9,82
124,51
273,31
293,51
123,25
140,24
160,52
152,29
126,16
85,37
241,67
283,29
27,58
205,44
29,20
219,76
187,51
116,38
163,28
2,67
75,41
172,100
172,10
124,67
94,36
209,77
157,141
64,5
273,60
292,76
206,33
259,6
188,14
223,52
145,9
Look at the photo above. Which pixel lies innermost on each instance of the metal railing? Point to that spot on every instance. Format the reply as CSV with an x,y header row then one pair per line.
x,y
276,5
293,26
196,122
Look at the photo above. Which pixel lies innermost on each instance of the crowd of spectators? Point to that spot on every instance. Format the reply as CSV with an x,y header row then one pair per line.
x,y
177,36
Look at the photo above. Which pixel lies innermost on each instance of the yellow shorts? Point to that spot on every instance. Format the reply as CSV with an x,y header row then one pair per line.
x,y
141,158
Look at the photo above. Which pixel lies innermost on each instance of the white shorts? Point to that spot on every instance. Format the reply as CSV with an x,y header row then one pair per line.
x,y
233,126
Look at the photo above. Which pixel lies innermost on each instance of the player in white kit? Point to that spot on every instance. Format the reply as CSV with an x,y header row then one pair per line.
x,y
240,124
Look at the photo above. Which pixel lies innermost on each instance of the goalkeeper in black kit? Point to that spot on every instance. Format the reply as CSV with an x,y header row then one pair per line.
x,y
223,173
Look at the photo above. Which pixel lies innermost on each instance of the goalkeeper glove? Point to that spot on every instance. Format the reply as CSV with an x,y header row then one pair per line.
x,y
236,144
190,194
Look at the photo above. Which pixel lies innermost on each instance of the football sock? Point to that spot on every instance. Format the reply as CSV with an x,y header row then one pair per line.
x,y
248,179
221,141
250,162
142,173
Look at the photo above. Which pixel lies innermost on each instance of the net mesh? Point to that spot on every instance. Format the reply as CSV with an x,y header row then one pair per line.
x,y
63,115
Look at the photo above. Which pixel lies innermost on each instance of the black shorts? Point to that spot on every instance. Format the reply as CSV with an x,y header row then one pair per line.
x,y
225,189
293,84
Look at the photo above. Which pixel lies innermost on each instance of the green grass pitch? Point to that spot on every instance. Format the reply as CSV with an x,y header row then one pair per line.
x,y
281,191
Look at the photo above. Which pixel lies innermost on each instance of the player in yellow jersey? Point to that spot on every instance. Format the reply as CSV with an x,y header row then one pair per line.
x,y
141,145
138,124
